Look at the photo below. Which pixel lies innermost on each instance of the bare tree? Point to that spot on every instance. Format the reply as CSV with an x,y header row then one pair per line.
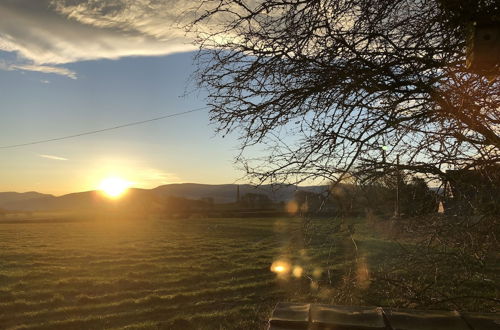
x,y
337,86
359,90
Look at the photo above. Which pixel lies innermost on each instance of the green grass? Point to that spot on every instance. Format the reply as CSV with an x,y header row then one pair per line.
x,y
178,274
163,273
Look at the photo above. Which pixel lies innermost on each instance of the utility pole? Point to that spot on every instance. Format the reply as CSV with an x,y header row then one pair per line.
x,y
398,183
238,194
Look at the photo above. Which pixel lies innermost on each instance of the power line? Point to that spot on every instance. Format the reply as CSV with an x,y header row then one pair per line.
x,y
104,129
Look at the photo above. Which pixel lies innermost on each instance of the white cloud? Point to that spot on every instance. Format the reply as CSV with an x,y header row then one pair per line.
x,y
39,68
45,69
161,20
53,157
45,33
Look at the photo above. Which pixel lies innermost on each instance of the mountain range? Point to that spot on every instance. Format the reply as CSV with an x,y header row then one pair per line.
x,y
223,193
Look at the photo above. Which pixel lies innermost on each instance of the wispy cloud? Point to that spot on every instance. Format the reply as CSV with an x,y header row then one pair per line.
x,y
53,157
38,68
47,33
46,69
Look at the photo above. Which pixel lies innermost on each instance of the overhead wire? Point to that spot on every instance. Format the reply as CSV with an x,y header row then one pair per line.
x,y
104,129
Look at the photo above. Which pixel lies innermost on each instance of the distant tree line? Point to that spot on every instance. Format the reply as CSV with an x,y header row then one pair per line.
x,y
250,204
379,197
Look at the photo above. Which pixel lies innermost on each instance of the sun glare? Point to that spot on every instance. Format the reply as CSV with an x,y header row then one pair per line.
x,y
114,187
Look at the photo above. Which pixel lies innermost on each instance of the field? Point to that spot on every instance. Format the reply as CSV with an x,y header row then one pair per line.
x,y
180,273
192,273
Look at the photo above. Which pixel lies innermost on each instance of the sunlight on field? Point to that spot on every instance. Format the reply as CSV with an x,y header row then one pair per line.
x,y
116,271
145,273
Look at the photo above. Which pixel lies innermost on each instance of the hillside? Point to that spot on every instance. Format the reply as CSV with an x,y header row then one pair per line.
x,y
144,198
88,200
226,193
9,198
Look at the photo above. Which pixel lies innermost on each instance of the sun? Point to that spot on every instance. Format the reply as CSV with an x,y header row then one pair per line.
x,y
114,187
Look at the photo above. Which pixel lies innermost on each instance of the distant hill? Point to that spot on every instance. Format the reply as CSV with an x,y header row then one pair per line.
x,y
226,193
8,198
88,200
145,198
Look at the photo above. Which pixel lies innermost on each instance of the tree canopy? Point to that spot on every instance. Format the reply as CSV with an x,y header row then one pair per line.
x,y
345,86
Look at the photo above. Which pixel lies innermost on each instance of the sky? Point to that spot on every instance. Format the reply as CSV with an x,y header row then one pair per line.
x,y
71,66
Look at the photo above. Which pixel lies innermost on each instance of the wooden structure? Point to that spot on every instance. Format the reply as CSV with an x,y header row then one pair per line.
x,y
288,316
483,48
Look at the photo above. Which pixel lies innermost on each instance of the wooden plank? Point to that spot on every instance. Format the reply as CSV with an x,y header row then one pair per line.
x,y
346,317
424,320
290,316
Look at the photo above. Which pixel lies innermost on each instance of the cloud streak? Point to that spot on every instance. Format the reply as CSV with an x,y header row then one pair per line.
x,y
38,68
48,33
45,69
53,157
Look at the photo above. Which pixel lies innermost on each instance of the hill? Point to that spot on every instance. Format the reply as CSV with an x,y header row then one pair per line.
x,y
87,200
226,193
145,198
9,198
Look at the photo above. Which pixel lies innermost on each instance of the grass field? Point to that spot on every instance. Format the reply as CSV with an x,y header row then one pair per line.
x,y
193,273
178,274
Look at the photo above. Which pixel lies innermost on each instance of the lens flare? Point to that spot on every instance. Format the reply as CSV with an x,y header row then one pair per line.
x,y
292,207
280,267
297,271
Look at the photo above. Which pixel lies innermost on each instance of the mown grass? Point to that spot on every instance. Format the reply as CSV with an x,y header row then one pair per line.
x,y
179,273
162,273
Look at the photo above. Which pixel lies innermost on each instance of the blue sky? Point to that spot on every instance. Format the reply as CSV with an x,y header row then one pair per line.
x,y
49,89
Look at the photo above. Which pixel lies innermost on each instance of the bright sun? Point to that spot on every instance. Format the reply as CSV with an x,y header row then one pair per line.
x,y
114,186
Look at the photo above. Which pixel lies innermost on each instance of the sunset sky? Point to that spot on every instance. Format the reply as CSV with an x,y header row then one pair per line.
x,y
70,66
